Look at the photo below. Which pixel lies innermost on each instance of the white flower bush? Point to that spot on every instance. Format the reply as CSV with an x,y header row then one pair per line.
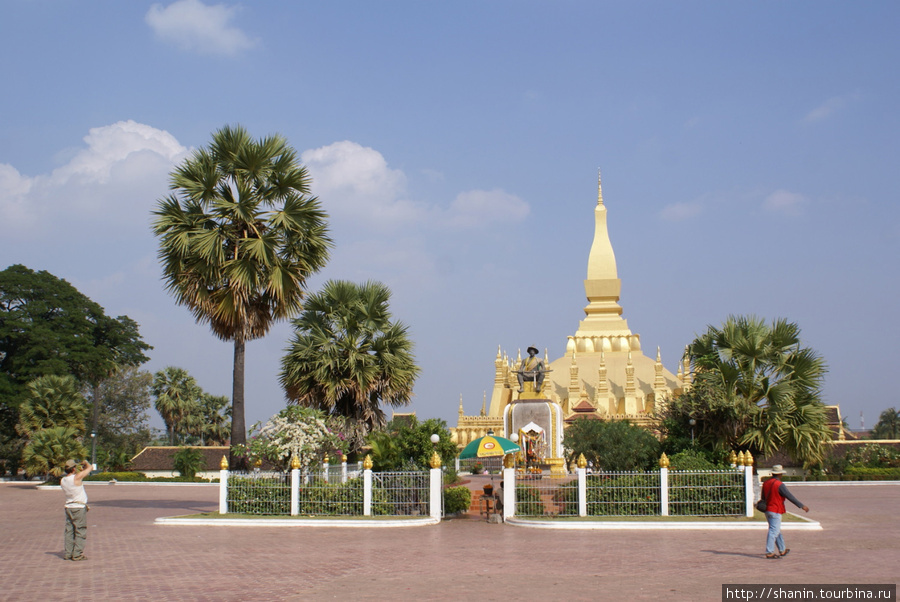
x,y
304,433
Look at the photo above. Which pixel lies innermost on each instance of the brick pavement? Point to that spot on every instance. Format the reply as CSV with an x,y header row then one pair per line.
x,y
130,558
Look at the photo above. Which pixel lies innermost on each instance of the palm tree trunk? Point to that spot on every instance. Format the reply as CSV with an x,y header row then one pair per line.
x,y
238,430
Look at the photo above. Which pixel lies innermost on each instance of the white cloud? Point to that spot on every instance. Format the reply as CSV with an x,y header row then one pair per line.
x,y
677,212
192,25
785,202
481,207
830,107
355,183
122,166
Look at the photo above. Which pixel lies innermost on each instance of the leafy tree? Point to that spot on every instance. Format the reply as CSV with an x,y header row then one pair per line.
x,y
177,395
48,450
347,357
52,401
888,426
125,402
407,444
766,383
47,327
611,445
239,237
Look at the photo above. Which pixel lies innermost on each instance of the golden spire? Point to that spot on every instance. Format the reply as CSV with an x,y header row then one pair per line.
x,y
460,405
599,189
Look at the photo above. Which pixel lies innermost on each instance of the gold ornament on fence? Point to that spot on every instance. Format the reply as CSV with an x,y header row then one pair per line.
x,y
582,461
295,463
664,461
435,460
367,463
224,463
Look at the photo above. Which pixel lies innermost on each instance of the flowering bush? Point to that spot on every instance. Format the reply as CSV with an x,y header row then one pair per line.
x,y
295,431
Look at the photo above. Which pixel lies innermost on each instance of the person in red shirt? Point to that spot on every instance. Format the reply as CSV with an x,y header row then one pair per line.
x,y
774,492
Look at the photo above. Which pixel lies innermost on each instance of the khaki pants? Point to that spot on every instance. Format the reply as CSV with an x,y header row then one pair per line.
x,y
76,532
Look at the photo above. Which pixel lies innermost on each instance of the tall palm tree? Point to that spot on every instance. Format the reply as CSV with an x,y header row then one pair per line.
x,y
347,357
177,400
773,384
52,401
238,239
888,426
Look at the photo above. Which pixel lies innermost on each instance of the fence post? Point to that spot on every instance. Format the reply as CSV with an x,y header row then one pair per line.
x,y
325,466
344,469
367,486
508,493
223,486
664,484
581,471
295,486
748,485
436,490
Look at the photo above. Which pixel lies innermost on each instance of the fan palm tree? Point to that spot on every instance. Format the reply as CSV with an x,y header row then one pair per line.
x,y
888,426
52,401
177,395
773,384
238,239
347,357
48,450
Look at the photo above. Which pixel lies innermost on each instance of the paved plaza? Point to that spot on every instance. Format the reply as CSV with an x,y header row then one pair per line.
x,y
131,558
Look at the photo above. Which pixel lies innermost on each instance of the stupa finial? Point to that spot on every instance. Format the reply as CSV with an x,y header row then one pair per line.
x,y
599,189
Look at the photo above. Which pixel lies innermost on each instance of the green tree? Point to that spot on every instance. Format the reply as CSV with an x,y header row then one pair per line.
x,y
347,357
48,450
124,419
888,426
611,445
47,327
765,384
215,413
177,397
52,401
238,239
188,461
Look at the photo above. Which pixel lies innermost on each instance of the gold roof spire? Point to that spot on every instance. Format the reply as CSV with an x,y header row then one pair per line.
x,y
599,189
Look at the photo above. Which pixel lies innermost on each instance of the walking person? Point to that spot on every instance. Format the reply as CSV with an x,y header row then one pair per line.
x,y
774,492
76,508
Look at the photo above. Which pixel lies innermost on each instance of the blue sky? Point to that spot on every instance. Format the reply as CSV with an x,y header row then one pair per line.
x,y
749,154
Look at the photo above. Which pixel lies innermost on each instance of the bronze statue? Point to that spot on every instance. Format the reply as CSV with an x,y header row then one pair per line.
x,y
532,369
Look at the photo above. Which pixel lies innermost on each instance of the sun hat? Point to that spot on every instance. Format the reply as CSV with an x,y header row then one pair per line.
x,y
70,464
778,469
536,350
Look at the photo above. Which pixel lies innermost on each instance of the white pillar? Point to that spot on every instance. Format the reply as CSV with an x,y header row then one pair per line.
x,y
325,470
509,492
664,490
295,491
344,470
582,491
367,492
748,491
435,492
223,491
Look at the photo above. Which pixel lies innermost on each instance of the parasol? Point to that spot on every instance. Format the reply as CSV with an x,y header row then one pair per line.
x,y
489,446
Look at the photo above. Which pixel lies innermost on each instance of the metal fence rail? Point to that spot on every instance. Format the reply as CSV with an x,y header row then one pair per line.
x,y
400,493
546,496
706,493
625,493
262,493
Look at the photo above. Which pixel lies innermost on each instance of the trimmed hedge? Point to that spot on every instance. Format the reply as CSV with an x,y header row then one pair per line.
x,y
457,499
139,477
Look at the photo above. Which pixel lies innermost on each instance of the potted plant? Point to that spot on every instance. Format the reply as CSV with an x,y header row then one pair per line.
x,y
477,468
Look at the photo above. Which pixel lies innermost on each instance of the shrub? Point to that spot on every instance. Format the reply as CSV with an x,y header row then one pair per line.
x,y
623,495
689,459
873,455
528,500
457,499
188,461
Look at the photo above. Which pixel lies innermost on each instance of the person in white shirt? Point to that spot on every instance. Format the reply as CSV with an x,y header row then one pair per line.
x,y
76,508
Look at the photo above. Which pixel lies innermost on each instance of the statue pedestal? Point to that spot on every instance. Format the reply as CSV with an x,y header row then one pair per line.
x,y
529,393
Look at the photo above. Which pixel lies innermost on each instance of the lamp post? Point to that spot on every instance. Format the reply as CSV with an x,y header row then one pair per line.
x,y
94,451
692,422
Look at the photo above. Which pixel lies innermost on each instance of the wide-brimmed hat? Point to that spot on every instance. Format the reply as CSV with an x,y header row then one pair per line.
x,y
778,469
536,350
71,464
